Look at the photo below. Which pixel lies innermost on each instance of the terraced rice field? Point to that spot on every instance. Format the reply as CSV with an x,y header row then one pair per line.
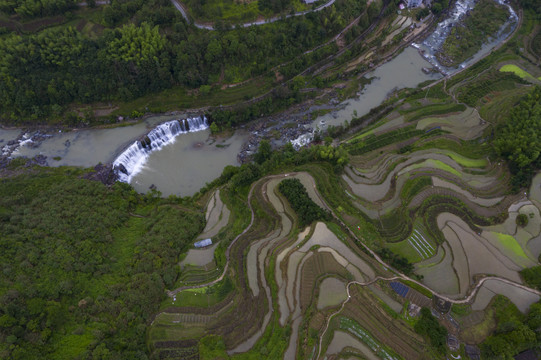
x,y
342,340
375,347
467,125
217,217
324,237
332,293
380,328
521,298
199,257
441,277
375,186
447,210
483,257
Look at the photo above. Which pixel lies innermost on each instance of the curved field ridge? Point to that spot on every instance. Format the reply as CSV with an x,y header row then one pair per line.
x,y
342,340
217,216
300,262
199,257
467,125
483,257
372,188
523,74
521,298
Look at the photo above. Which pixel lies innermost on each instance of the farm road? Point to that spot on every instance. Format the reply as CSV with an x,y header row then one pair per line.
x,y
399,275
208,26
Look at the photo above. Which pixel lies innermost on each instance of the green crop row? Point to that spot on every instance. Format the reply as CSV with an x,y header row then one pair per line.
x,y
374,142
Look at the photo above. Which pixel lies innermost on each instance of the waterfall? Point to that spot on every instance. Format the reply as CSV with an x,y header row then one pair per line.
x,y
132,160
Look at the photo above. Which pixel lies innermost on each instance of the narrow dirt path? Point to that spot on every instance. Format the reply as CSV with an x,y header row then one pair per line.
x,y
360,241
463,301
172,293
209,26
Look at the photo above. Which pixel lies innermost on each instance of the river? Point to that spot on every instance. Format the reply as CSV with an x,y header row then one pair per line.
x,y
184,161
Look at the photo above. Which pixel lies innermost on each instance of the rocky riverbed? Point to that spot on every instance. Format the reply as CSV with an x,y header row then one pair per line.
x,y
292,126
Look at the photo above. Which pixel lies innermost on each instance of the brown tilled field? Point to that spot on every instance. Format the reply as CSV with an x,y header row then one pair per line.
x,y
363,307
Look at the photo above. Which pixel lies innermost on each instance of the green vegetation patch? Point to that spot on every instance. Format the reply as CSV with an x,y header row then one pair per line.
x,y
532,276
148,48
203,297
428,326
232,12
511,244
465,161
516,70
372,142
307,210
432,163
434,109
467,37
482,89
413,186
514,332
416,247
404,248
84,275
519,139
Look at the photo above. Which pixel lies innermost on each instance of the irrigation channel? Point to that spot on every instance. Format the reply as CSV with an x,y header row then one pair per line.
x,y
180,162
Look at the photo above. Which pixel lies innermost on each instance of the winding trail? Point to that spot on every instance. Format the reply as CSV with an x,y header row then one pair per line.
x,y
466,300
172,293
360,241
208,26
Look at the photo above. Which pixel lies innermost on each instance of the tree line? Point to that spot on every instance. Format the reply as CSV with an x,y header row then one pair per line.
x,y
36,8
518,139
305,208
150,48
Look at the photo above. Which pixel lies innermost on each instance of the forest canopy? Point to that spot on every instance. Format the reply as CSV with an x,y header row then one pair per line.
x,y
84,266
147,47
519,138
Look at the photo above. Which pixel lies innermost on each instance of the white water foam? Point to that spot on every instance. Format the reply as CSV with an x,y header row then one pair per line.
x,y
132,160
433,43
302,140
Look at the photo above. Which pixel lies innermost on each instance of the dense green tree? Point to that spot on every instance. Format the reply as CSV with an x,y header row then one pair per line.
x,y
514,333
77,265
263,153
41,73
428,326
136,44
519,138
307,211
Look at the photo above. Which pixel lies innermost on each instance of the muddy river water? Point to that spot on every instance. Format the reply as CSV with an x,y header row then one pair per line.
x,y
185,160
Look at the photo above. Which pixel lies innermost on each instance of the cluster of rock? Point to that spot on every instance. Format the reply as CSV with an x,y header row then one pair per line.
x,y
279,130
32,141
103,173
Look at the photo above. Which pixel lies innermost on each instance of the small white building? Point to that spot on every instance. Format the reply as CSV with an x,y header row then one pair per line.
x,y
203,243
